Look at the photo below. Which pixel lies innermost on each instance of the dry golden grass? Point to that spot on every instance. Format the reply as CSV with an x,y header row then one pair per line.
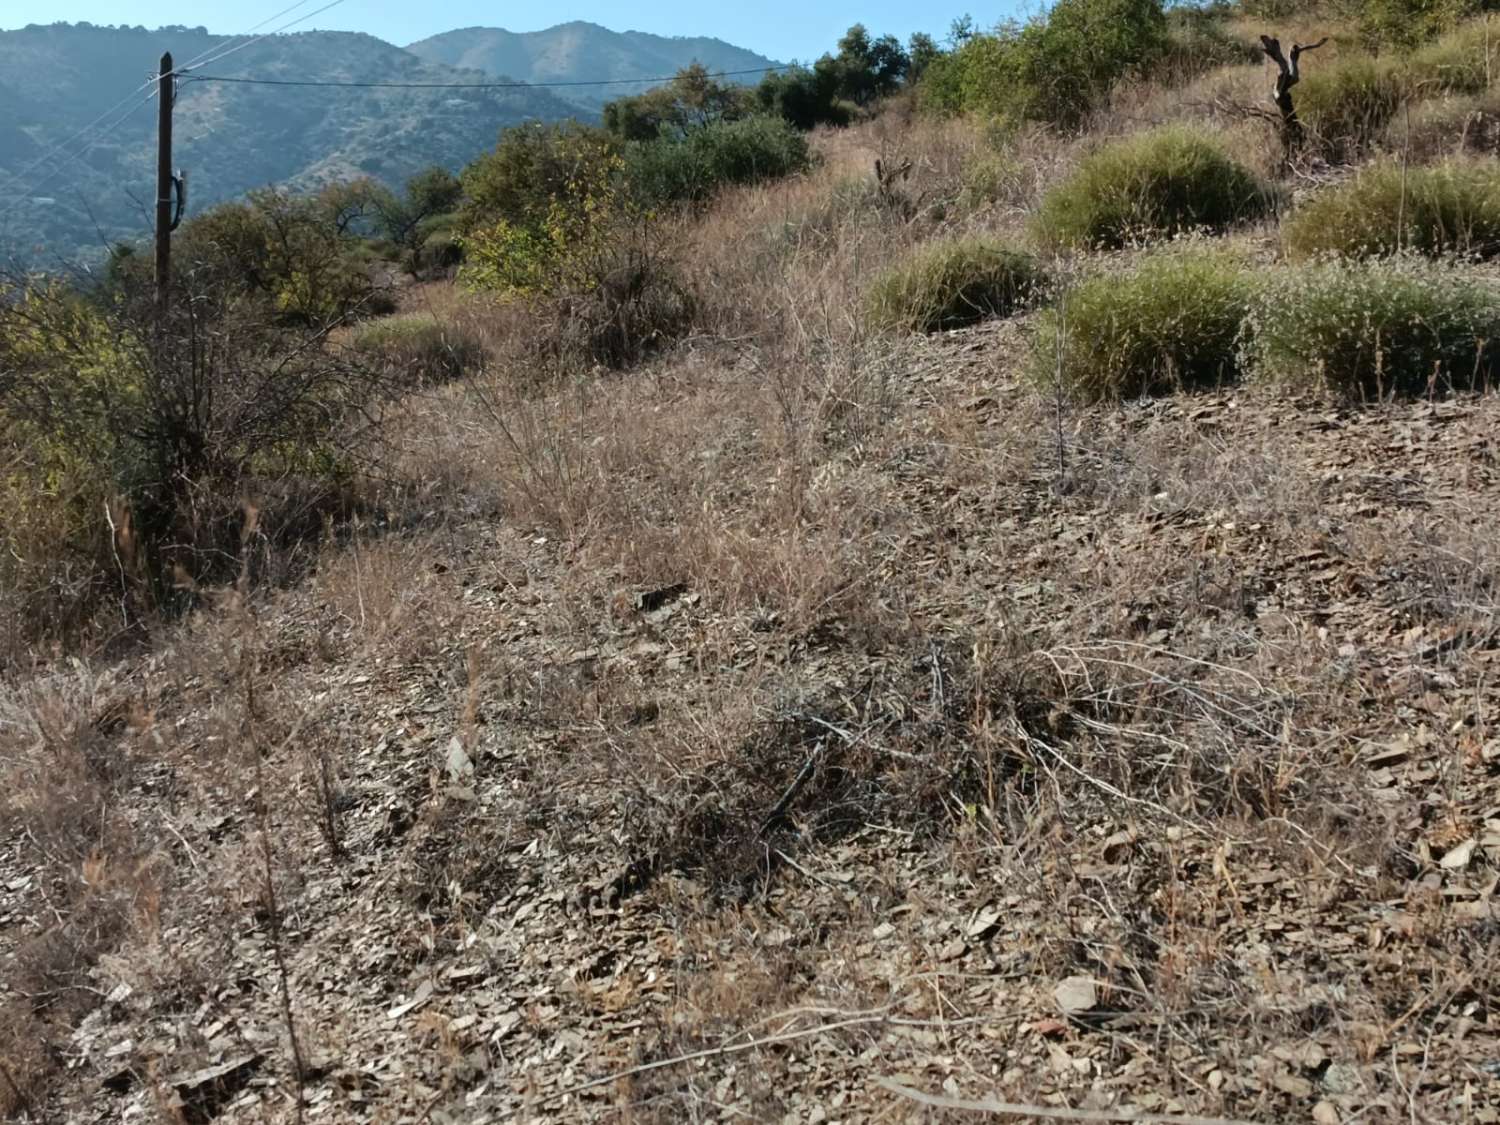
x,y
1107,676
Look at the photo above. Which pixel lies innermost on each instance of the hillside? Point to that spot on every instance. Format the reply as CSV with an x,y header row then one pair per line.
x,y
997,621
54,80
580,52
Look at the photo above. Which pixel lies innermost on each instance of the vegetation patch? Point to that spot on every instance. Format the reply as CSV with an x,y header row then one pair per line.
x,y
420,349
1453,209
1055,68
1154,185
953,283
1464,61
689,170
1347,104
1376,328
1172,323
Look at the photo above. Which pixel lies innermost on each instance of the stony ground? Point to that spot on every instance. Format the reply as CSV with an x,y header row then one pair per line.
x,y
1114,758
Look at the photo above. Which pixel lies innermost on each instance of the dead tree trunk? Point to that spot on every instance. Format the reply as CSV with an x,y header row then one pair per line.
x,y
1292,132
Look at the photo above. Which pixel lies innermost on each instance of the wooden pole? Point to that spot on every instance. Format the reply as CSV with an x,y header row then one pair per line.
x,y
166,94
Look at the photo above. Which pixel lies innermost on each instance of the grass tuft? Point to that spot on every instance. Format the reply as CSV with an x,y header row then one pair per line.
x,y
1153,185
1171,323
1376,328
1347,104
420,349
953,283
1453,208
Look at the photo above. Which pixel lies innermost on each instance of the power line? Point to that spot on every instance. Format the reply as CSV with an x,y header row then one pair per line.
x,y
88,148
262,38
469,85
246,34
56,149
202,59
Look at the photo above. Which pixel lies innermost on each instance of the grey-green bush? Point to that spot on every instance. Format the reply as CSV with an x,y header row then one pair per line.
x,y
1375,328
419,349
1152,185
1172,323
1465,61
953,283
1452,208
1347,104
692,168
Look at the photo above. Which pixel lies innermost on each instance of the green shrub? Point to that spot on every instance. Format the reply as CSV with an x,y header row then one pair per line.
x,y
1347,105
1198,42
689,170
288,252
1407,23
1375,328
1151,185
1453,208
533,168
992,178
1173,322
953,283
1438,128
205,436
1056,68
419,349
1465,61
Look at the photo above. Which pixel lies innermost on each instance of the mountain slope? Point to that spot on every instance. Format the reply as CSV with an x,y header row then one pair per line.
x,y
231,138
581,52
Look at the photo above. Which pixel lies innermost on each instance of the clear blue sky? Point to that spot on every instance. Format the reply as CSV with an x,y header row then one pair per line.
x,y
782,29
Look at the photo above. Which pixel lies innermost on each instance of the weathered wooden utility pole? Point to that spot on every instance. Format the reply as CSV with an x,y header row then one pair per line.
x,y
166,94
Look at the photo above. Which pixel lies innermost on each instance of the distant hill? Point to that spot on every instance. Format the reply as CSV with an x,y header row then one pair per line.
x,y
55,80
580,52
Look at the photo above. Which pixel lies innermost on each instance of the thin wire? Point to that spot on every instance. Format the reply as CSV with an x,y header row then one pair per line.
x,y
88,148
17,177
249,31
267,35
469,85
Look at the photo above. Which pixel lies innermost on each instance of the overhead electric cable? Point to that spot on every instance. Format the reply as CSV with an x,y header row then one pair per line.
x,y
246,34
17,177
468,85
260,38
24,197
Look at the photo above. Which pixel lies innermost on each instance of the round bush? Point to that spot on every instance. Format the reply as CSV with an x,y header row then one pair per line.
x,y
1347,105
1450,209
419,348
1148,186
1172,323
690,169
1465,61
951,284
1375,328
990,179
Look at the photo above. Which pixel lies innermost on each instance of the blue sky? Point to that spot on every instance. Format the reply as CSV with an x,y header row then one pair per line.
x,y
782,29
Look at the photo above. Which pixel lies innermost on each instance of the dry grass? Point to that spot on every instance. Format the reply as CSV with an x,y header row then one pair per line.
x,y
822,700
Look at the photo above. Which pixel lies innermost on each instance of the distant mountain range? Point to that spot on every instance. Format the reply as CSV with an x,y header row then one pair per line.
x,y
61,81
578,52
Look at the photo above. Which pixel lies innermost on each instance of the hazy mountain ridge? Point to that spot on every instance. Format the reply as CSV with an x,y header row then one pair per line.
x,y
580,51
231,138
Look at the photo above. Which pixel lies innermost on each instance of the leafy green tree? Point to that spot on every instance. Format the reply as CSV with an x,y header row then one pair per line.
x,y
869,68
922,51
805,97
409,220
297,253
693,99
1056,68
532,167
